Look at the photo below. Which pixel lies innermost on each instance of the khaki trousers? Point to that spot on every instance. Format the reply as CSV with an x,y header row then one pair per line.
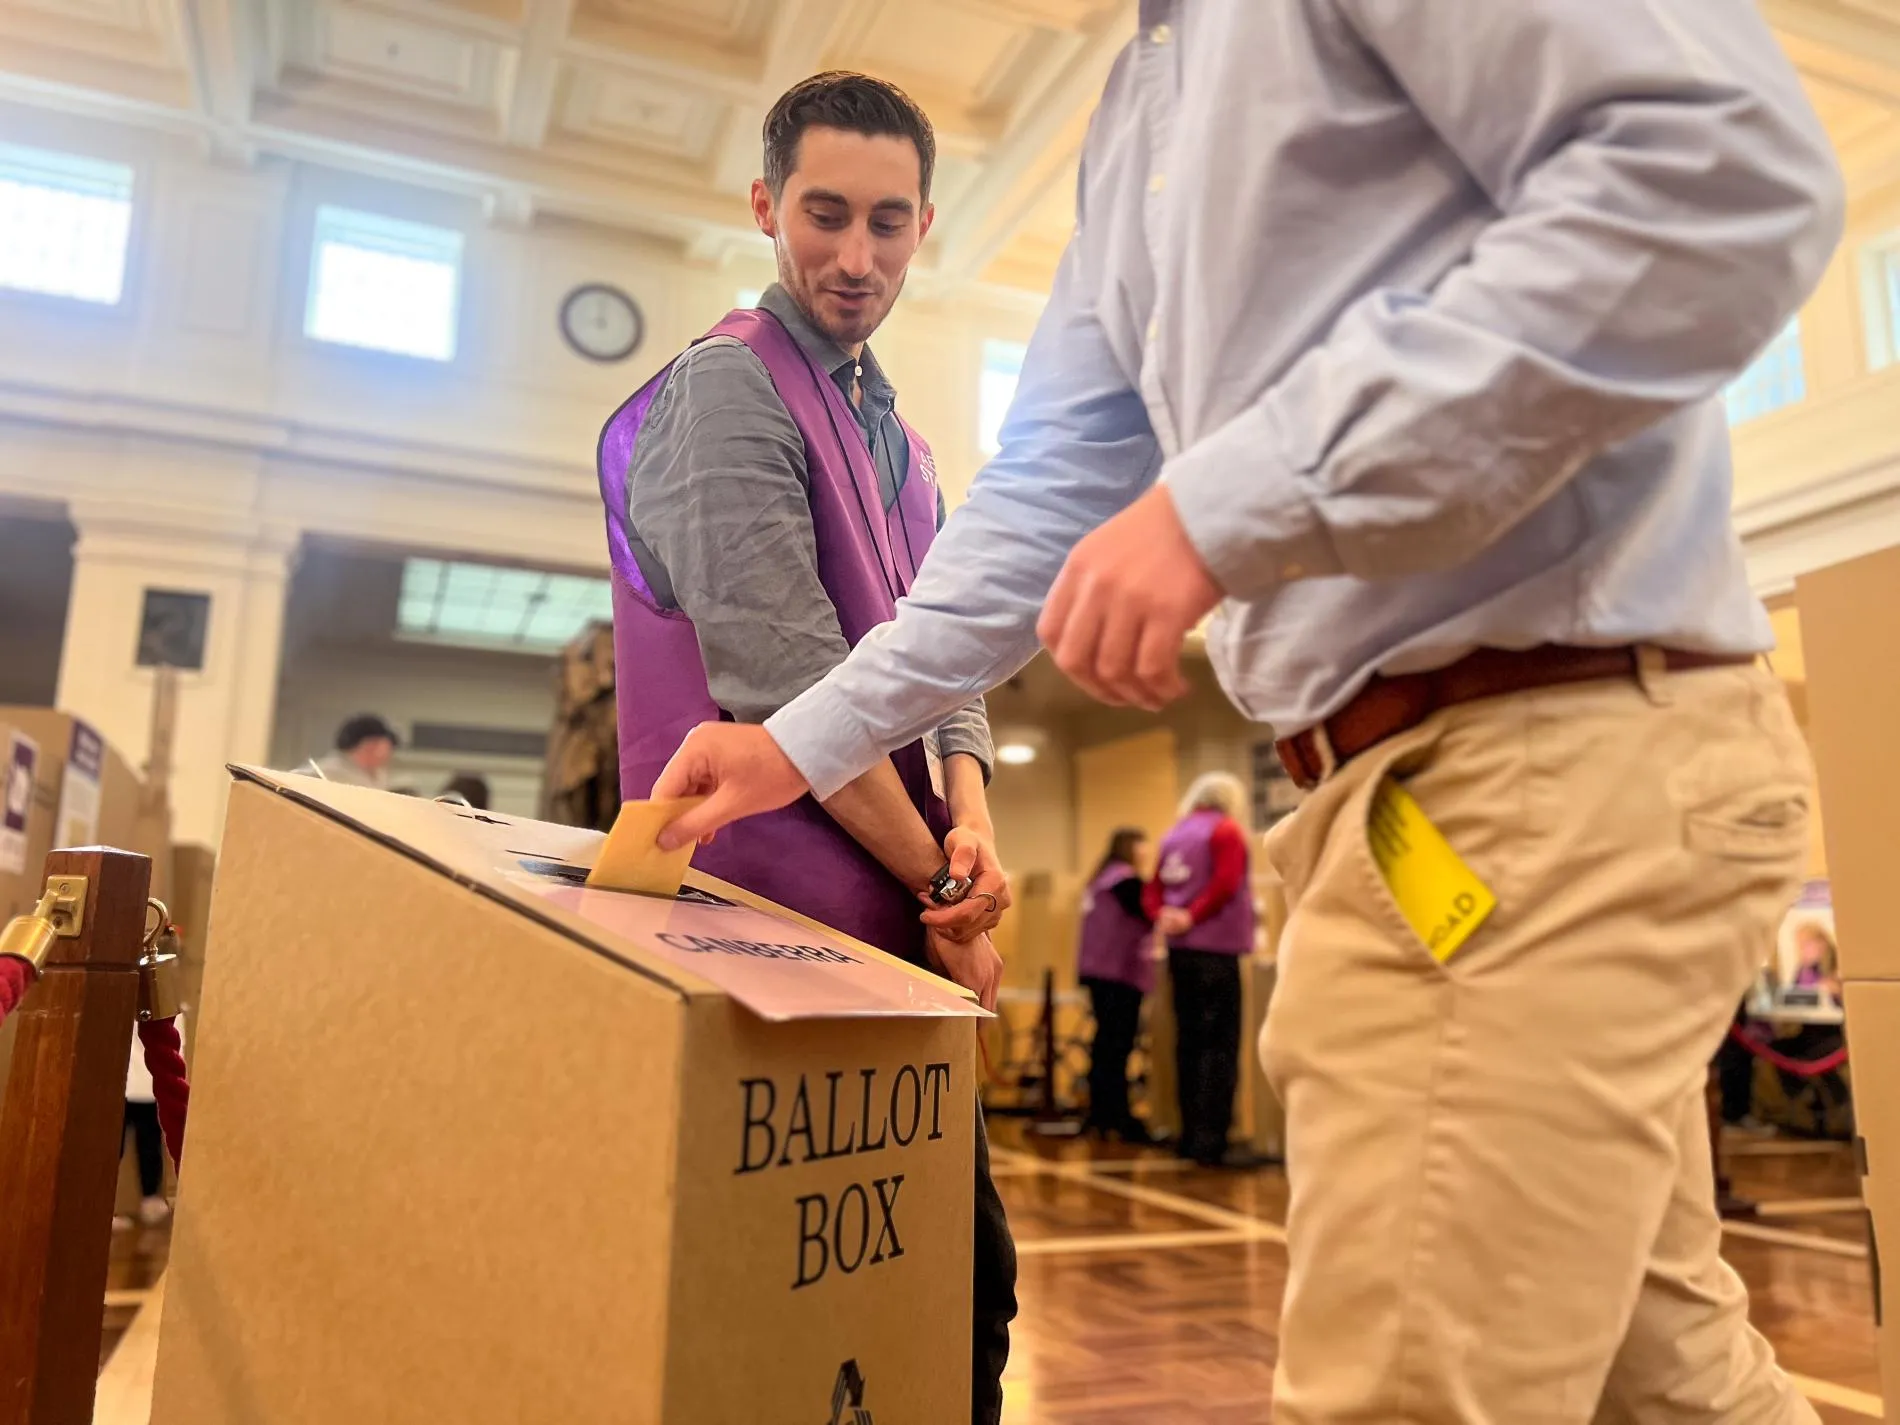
x,y
1502,1206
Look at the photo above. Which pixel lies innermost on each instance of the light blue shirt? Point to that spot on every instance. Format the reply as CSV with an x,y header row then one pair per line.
x,y
1422,310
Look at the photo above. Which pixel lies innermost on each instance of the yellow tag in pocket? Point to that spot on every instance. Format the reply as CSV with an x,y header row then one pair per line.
x,y
1441,898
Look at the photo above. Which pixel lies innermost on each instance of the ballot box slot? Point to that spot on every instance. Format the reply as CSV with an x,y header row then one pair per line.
x,y
525,909
571,874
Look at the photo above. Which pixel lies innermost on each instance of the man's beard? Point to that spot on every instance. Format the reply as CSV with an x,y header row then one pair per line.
x,y
809,298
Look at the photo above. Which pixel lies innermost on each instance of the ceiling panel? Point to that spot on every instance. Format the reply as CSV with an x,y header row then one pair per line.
x,y
646,114
404,56
123,31
938,51
731,26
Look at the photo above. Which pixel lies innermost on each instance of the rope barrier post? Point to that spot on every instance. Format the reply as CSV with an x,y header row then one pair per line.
x,y
60,1130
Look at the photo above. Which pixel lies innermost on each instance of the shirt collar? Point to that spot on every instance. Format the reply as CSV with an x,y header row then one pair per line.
x,y
829,356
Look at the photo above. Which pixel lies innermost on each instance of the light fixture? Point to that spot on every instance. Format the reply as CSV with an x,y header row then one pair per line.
x,y
1016,754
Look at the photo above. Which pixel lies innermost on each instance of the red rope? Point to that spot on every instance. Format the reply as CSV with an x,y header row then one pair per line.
x,y
16,978
1803,1068
165,1061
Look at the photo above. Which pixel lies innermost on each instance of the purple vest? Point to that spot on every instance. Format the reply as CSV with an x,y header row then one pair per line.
x,y
1187,865
1114,943
798,857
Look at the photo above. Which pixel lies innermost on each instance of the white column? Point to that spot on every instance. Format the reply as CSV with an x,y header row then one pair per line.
x,y
224,707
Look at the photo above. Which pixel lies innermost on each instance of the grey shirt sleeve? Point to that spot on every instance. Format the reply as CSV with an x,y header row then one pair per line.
x,y
717,497
967,730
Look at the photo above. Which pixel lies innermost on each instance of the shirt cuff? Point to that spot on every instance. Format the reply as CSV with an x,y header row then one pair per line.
x,y
822,735
1247,518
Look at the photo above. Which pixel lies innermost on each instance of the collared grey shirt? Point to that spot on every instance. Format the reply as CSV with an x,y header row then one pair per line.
x,y
1422,310
719,509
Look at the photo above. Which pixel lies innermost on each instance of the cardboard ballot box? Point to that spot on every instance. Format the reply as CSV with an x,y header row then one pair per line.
x,y
472,1142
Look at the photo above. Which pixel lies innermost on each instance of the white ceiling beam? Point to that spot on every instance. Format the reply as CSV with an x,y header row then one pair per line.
x,y
530,104
220,43
652,198
803,33
1067,16
217,57
987,215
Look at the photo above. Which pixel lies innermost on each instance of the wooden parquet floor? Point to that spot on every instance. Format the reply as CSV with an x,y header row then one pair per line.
x,y
1151,1291
1163,1307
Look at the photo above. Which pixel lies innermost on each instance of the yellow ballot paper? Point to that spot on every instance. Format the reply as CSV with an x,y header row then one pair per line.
x,y
631,861
1441,898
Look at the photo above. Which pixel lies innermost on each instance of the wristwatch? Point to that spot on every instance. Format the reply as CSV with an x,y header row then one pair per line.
x,y
946,889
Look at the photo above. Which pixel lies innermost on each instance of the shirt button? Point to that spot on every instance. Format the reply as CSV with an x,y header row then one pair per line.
x,y
1154,328
1161,34
1157,182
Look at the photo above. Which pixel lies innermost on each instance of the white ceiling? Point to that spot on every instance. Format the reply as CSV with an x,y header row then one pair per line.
x,y
640,114
644,114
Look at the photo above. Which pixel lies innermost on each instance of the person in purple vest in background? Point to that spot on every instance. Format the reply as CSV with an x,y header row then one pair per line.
x,y
1201,900
766,509
1115,959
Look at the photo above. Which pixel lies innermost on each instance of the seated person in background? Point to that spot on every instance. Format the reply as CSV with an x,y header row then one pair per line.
x,y
364,745
470,787
1202,902
1815,1102
1816,960
1115,959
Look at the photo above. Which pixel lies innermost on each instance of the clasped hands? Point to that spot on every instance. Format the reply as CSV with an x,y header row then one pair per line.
x,y
956,937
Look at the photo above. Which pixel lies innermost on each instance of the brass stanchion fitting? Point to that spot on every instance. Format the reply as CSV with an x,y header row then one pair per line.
x,y
60,915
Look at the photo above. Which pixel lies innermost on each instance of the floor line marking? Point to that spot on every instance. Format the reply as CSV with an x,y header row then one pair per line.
x,y
1779,1147
1136,1242
1809,1206
1243,1222
1183,1206
1153,1197
1133,1166
1860,1402
1781,1237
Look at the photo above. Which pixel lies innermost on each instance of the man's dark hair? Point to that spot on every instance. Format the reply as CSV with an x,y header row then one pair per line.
x,y
362,728
856,103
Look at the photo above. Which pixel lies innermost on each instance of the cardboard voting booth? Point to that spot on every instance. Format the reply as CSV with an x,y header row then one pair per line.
x,y
1850,637
470,1141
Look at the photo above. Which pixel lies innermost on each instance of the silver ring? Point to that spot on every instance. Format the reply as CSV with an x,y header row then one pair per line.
x,y
995,909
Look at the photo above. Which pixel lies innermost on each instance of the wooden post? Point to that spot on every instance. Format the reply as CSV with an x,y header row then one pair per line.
x,y
60,1130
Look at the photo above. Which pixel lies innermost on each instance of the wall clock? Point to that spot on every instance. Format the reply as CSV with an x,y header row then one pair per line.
x,y
602,323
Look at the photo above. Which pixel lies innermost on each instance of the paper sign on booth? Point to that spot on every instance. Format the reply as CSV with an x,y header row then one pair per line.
x,y
16,801
777,968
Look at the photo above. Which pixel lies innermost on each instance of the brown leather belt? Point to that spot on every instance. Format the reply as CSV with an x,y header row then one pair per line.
x,y
1389,706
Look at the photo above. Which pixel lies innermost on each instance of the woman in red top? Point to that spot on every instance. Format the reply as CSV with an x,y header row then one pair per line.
x,y
1201,901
